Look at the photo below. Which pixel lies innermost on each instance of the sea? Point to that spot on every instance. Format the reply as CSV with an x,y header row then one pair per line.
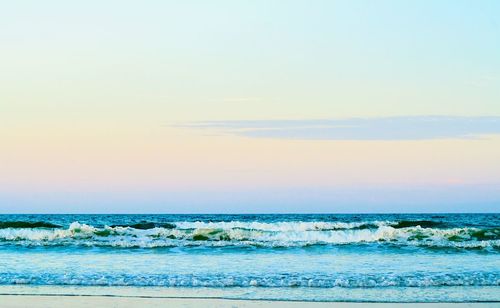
x,y
306,257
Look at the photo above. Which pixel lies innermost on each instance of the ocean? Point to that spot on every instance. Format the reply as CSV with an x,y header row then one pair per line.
x,y
316,257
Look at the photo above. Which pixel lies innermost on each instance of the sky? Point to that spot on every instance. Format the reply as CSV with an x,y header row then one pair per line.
x,y
249,106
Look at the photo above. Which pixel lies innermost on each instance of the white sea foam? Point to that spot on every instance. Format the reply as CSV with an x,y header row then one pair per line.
x,y
270,280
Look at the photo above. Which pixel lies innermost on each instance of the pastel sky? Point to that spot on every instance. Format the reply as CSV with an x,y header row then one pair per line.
x,y
249,106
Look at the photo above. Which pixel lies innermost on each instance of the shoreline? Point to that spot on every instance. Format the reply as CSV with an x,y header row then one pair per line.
x,y
388,297
178,297
77,301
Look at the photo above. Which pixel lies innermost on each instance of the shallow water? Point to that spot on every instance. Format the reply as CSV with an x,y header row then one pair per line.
x,y
297,257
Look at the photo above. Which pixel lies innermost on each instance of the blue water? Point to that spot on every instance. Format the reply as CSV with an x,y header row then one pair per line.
x,y
429,258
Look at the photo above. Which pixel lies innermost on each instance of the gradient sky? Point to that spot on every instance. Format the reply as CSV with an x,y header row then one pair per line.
x,y
249,106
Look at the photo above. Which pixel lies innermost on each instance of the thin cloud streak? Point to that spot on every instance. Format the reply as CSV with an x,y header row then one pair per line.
x,y
383,128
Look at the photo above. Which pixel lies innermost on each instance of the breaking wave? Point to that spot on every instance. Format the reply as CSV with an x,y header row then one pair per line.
x,y
253,234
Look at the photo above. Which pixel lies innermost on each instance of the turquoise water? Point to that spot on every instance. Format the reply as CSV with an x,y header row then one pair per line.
x,y
429,258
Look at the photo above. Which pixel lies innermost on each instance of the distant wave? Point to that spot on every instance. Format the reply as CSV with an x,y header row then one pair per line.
x,y
27,224
423,233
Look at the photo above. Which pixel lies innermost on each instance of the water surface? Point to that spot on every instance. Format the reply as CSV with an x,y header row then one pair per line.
x,y
430,258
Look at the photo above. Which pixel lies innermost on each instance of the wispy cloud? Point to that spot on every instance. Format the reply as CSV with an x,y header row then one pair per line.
x,y
384,128
237,100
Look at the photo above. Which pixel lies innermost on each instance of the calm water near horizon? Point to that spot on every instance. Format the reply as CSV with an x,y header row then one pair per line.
x,y
328,257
